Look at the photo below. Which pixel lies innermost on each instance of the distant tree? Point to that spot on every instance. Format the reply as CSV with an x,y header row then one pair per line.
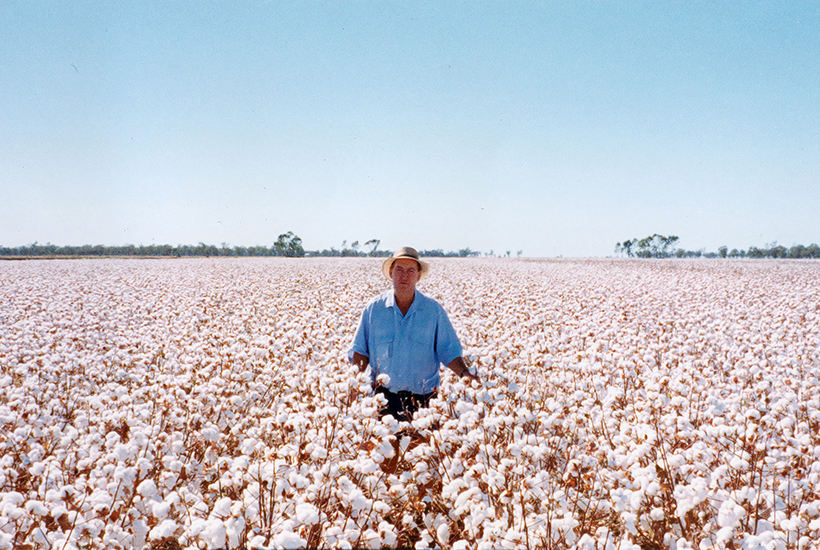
x,y
349,250
644,248
375,243
206,250
723,251
627,245
796,252
778,251
289,245
654,246
667,242
519,253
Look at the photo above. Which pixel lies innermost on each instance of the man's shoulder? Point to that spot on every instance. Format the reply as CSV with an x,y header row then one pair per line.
x,y
381,300
429,303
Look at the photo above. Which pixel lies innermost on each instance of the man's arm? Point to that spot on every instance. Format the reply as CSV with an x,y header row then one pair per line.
x,y
459,367
360,361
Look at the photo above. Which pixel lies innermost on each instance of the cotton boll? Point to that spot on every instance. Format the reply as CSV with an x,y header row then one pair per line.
x,y
724,535
288,540
257,542
358,501
147,488
160,510
443,534
36,508
387,535
222,508
165,529
730,514
810,510
140,529
307,513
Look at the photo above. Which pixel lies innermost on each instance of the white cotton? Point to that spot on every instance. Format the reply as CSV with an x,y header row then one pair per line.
x,y
307,513
288,540
387,534
36,507
257,542
147,488
140,529
210,433
160,510
222,508
443,533
724,535
165,529
730,514
358,501
214,533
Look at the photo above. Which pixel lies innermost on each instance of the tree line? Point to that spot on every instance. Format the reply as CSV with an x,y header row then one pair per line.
x,y
286,245
659,246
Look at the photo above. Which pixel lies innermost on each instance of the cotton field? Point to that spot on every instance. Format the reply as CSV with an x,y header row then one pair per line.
x,y
623,404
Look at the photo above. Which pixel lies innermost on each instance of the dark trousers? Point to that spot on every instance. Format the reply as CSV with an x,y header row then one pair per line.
x,y
401,405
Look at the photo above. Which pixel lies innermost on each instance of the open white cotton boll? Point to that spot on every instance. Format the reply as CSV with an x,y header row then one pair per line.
x,y
257,542
36,507
307,513
147,488
387,535
166,528
443,534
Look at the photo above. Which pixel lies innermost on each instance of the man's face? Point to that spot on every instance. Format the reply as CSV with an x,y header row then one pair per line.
x,y
405,275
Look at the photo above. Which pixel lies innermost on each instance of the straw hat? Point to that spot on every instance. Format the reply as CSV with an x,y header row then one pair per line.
x,y
407,253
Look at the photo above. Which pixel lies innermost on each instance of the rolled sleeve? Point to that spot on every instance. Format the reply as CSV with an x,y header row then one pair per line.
x,y
448,346
359,344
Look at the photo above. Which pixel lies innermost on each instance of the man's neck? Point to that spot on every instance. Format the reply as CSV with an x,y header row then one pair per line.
x,y
404,302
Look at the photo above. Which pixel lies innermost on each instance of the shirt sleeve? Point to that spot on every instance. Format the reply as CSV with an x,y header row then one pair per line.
x,y
359,344
448,346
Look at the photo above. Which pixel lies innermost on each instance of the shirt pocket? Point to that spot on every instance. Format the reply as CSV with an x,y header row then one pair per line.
x,y
423,334
384,352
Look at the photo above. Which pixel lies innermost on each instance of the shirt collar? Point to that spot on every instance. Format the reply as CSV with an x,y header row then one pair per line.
x,y
391,301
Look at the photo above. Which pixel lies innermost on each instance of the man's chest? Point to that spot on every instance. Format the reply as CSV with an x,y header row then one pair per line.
x,y
414,328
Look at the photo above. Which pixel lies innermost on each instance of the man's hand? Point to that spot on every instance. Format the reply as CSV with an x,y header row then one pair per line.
x,y
459,367
360,361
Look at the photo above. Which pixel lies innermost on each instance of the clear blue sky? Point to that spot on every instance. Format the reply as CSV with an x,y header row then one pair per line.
x,y
556,128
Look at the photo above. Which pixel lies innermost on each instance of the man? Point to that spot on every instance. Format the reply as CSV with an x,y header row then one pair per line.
x,y
405,335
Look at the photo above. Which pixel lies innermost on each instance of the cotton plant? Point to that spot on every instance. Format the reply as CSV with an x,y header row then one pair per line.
x,y
174,403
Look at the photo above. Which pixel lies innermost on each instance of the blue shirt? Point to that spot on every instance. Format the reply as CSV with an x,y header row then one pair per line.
x,y
408,348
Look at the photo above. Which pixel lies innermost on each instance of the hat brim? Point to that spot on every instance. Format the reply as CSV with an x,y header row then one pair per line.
x,y
388,263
